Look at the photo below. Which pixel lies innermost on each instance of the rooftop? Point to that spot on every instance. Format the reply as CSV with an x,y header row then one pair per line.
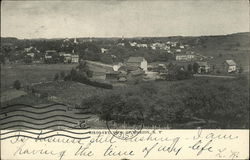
x,y
230,62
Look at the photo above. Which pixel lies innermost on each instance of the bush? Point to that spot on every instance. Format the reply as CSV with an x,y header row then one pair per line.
x,y
56,77
17,84
62,74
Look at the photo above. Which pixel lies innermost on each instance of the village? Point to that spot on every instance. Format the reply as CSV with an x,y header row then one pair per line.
x,y
133,67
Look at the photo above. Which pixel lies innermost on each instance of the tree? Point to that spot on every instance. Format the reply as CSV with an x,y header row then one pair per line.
x,y
17,84
84,69
107,58
62,74
190,67
73,74
56,77
240,69
196,67
28,60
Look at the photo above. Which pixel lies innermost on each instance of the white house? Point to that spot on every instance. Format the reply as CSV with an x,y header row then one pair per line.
x,y
203,67
75,58
49,53
104,50
178,50
138,62
117,66
182,47
67,58
133,44
230,66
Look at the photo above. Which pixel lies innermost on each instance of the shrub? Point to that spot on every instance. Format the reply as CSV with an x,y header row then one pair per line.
x,y
56,77
62,74
17,84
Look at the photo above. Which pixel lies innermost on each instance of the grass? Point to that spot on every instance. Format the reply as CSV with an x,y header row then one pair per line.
x,y
70,92
28,74
12,94
26,99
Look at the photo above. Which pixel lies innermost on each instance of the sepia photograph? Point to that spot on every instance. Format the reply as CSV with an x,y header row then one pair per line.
x,y
122,65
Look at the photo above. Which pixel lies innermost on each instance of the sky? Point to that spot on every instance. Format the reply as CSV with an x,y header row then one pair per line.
x,y
117,18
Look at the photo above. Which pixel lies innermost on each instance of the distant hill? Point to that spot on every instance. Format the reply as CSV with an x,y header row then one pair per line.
x,y
8,40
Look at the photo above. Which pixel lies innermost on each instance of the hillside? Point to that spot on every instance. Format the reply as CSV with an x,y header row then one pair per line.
x,y
233,46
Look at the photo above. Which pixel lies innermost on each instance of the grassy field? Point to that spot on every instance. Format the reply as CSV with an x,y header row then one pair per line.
x,y
70,92
28,74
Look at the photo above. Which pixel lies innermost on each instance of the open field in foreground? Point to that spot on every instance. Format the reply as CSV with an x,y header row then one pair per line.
x,y
28,74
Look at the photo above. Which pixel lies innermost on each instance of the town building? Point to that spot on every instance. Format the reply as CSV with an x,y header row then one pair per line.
x,y
203,67
67,58
99,70
178,50
104,50
49,54
117,66
132,44
138,62
230,66
75,58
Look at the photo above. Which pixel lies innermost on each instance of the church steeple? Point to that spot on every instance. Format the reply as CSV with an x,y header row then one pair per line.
x,y
75,41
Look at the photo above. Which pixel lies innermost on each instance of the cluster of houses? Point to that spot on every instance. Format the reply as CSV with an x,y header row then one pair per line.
x,y
133,68
169,46
137,68
159,45
53,56
191,56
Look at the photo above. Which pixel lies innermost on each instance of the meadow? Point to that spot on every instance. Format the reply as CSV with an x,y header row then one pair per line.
x,y
28,74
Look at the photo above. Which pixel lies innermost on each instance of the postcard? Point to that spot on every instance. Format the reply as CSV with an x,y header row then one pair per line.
x,y
124,80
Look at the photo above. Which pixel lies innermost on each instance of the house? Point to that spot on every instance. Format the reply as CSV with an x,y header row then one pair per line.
x,y
99,70
117,66
182,47
113,75
127,69
178,50
132,44
130,73
185,57
49,55
50,52
153,47
121,44
138,62
135,75
67,58
104,50
230,66
75,58
203,67
122,77
61,54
